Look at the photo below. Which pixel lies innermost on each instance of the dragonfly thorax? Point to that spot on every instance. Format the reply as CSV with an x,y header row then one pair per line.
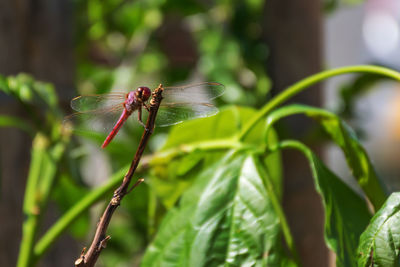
x,y
134,99
131,102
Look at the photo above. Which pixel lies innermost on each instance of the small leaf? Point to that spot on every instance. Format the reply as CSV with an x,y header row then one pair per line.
x,y
27,90
380,242
346,213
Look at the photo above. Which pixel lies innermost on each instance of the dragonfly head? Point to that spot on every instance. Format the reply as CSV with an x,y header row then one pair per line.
x,y
143,93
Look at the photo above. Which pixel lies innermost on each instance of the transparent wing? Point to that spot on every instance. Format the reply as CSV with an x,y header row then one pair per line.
x,y
193,93
175,113
94,102
100,120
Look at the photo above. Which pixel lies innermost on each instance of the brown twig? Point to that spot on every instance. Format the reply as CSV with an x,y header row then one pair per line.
x,y
100,239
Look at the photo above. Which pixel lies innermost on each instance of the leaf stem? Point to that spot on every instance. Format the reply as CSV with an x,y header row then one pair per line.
x,y
278,209
218,144
307,82
42,173
31,206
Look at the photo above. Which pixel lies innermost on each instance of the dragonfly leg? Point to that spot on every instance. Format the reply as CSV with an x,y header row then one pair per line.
x,y
146,106
140,117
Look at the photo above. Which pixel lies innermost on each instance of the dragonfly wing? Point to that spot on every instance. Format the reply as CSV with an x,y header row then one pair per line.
x,y
86,103
100,120
194,93
175,113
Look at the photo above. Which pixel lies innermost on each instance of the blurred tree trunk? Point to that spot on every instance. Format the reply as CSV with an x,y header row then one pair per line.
x,y
35,37
294,34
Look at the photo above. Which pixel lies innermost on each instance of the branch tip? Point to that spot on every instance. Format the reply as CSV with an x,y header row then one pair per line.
x,y
103,243
80,262
138,182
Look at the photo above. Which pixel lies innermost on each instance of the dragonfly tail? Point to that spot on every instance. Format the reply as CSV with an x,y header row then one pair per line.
x,y
124,116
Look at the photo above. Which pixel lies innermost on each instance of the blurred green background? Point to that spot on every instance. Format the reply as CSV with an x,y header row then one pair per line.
x,y
255,48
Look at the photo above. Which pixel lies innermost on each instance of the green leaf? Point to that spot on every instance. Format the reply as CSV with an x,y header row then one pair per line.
x,y
212,134
346,213
27,90
380,242
226,217
37,98
356,156
223,125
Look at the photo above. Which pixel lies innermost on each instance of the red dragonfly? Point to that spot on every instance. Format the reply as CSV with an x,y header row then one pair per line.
x,y
179,103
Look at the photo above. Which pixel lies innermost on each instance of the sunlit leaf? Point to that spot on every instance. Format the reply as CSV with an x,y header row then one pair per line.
x,y
171,178
226,217
380,242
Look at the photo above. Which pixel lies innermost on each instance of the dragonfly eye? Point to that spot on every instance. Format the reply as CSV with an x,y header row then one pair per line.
x,y
144,93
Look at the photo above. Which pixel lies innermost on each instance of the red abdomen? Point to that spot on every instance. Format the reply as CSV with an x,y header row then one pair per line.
x,y
124,116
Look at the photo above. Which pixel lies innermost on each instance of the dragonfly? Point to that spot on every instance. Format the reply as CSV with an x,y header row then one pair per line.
x,y
179,103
